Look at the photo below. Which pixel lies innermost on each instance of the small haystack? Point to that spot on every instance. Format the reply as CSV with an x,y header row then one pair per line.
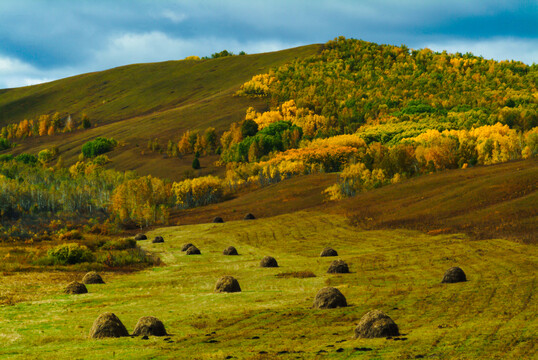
x,y
149,326
218,220
454,275
328,252
158,239
139,237
107,325
75,288
230,250
92,278
329,298
186,246
376,324
268,261
338,267
193,250
227,284
249,216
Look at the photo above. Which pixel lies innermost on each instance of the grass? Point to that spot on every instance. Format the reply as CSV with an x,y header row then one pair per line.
x,y
398,271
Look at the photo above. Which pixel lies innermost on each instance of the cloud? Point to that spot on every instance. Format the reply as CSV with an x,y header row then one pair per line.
x,y
47,39
157,46
174,17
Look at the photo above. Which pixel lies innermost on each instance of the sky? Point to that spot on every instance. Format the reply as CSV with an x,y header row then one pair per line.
x,y
44,40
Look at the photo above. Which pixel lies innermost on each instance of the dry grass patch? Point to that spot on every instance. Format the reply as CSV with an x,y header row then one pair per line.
x,y
296,274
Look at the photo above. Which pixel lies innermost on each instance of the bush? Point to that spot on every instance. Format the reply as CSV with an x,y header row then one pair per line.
x,y
121,244
4,144
97,147
128,257
6,158
70,254
27,159
196,163
71,235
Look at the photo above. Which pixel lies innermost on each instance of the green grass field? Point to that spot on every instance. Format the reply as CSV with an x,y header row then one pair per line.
x,y
493,315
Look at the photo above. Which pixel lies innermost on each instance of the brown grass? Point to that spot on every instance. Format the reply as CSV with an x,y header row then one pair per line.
x,y
297,274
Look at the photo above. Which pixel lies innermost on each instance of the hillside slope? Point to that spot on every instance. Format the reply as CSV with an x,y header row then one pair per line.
x,y
136,103
486,202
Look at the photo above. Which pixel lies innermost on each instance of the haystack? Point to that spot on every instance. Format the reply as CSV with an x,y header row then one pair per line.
x,y
92,278
338,267
149,326
75,288
454,275
193,250
269,261
107,325
158,239
329,298
328,252
249,216
186,246
227,284
140,237
230,250
376,324
218,220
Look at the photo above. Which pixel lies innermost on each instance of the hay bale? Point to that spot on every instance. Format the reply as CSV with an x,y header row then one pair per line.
x,y
75,288
328,252
329,298
249,216
230,250
338,267
227,284
376,324
218,220
186,246
158,239
107,325
193,250
268,261
139,237
92,278
149,326
454,275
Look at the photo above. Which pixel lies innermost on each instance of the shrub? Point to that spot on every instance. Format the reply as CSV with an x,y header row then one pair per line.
x,y
97,147
128,257
4,144
70,254
45,156
28,159
196,163
71,235
6,157
121,244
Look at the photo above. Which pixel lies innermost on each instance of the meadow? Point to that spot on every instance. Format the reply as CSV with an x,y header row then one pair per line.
x,y
492,315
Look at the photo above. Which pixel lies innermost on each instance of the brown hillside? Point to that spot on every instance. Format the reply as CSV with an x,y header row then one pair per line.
x,y
486,202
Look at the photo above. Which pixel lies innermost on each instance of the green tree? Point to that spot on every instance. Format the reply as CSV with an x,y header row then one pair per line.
x,y
196,163
249,128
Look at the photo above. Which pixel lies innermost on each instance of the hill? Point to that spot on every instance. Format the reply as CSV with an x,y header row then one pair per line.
x,y
142,102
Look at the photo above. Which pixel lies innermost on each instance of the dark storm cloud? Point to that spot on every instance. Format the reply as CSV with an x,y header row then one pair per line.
x,y
45,39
